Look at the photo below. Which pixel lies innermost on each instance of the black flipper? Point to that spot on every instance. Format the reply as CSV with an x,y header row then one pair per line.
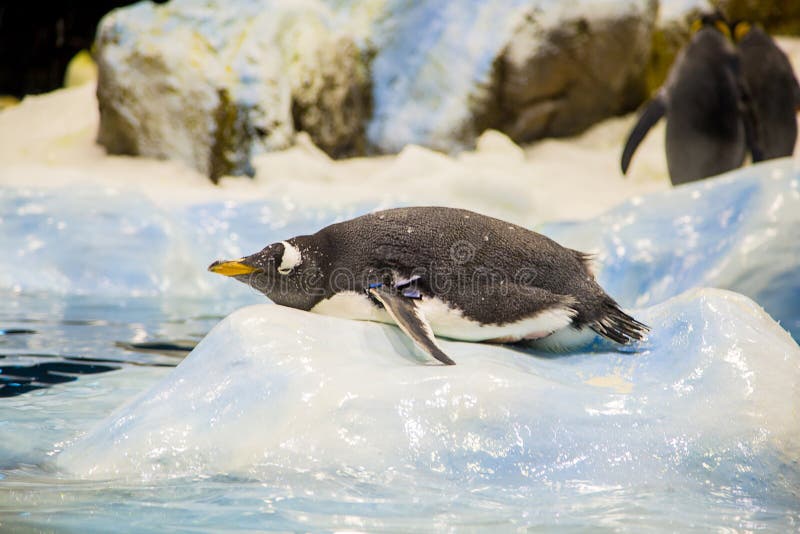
x,y
618,326
653,111
409,318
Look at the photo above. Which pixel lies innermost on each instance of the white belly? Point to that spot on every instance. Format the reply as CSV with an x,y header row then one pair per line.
x,y
448,322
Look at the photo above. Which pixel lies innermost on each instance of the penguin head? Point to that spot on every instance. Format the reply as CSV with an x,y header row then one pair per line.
x,y
286,272
714,20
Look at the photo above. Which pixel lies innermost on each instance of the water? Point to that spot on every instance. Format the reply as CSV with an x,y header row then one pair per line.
x,y
237,504
279,421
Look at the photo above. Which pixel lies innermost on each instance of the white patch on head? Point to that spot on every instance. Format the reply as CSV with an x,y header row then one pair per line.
x,y
291,258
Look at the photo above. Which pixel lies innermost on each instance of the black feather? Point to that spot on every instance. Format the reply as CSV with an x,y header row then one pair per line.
x,y
617,325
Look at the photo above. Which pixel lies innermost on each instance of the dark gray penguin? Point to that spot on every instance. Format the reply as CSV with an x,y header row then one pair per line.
x,y
440,271
710,122
773,88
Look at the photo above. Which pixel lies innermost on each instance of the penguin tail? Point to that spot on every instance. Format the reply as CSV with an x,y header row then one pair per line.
x,y
618,326
651,114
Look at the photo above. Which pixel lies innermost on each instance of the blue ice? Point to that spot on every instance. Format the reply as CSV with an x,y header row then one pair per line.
x,y
705,407
737,232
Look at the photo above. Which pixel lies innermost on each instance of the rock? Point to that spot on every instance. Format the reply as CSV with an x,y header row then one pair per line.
x,y
331,89
164,91
441,76
432,70
777,16
671,33
562,71
214,85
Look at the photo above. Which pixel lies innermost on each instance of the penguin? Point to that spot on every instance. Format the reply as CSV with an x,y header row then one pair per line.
x,y
710,122
773,87
438,271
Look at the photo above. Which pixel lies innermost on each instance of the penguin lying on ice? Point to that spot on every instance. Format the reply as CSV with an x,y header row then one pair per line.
x,y
440,271
710,122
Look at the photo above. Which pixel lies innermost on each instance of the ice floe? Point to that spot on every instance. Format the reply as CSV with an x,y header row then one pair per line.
x,y
706,404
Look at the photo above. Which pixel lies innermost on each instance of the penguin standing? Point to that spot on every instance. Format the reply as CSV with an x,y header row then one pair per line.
x,y
773,87
442,271
710,123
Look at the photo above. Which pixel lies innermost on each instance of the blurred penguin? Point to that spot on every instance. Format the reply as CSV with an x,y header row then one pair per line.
x,y
773,88
710,123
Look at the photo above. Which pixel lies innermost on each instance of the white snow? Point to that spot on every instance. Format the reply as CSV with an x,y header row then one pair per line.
x,y
48,141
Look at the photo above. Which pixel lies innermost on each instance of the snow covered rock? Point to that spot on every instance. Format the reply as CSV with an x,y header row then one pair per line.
x,y
566,67
214,84
443,72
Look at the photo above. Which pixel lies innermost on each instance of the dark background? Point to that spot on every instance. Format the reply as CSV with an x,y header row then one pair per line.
x,y
37,40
